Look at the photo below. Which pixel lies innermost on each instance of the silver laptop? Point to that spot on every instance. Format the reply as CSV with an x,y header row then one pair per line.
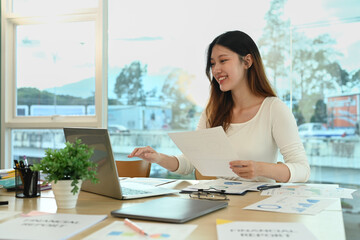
x,y
169,209
109,183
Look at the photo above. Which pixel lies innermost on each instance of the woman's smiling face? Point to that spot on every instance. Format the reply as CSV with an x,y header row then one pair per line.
x,y
227,68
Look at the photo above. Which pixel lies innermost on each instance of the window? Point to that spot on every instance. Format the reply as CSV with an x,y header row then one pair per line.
x,y
56,77
52,72
325,78
150,79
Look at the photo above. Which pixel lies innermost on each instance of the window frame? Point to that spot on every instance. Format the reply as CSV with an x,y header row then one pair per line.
x,y
9,120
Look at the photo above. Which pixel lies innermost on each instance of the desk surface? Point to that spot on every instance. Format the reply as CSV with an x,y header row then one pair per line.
x,y
326,225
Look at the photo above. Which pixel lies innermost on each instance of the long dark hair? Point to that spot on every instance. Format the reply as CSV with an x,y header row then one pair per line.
x,y
218,109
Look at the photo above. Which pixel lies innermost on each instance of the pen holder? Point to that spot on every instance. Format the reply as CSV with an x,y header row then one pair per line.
x,y
27,183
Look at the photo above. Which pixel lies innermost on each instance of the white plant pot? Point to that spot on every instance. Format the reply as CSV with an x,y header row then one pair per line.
x,y
63,195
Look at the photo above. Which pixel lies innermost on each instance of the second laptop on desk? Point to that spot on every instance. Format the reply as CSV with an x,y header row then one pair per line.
x,y
109,183
170,209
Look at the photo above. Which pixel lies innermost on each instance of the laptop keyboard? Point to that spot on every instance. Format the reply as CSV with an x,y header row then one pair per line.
x,y
130,191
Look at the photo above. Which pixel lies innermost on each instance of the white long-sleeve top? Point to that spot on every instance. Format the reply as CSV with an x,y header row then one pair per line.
x,y
273,128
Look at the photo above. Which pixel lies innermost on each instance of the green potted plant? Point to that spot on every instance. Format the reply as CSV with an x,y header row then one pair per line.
x,y
66,168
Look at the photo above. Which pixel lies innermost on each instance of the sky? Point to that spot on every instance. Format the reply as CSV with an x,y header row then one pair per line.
x,y
172,34
309,16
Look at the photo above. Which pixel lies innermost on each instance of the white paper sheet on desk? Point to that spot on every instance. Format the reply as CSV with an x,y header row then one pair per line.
x,y
209,150
47,226
4,214
156,182
262,230
117,230
288,204
309,190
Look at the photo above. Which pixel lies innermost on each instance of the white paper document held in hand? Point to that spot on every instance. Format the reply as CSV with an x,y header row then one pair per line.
x,y
209,150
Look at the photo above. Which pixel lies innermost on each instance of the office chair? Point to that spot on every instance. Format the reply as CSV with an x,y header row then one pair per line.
x,y
137,168
198,176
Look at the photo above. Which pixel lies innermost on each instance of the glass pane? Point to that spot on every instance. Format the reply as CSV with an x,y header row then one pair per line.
x,y
32,143
326,89
38,7
55,71
157,80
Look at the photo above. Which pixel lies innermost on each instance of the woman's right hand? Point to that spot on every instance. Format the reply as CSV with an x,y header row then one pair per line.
x,y
146,153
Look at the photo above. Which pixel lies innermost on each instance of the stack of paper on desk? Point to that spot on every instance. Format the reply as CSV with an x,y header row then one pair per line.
x,y
7,173
7,183
204,146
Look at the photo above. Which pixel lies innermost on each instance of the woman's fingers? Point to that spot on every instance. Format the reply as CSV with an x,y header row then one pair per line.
x,y
146,153
244,169
138,151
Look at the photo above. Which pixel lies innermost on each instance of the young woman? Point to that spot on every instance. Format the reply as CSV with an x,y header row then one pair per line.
x,y
257,123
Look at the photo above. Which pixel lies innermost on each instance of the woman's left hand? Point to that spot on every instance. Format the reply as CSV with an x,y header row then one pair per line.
x,y
245,168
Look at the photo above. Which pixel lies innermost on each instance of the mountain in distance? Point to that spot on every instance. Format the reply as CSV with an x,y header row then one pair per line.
x,y
84,88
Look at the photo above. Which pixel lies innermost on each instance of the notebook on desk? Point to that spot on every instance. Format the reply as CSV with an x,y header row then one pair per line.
x,y
170,209
109,183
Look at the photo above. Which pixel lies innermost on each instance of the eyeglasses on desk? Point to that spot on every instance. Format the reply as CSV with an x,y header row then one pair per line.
x,y
218,195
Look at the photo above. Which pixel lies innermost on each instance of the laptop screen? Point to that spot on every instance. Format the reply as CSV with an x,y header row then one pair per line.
x,y
99,140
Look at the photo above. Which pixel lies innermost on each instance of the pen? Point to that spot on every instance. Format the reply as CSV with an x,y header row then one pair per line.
x,y
4,202
134,227
16,163
22,165
25,161
20,171
265,187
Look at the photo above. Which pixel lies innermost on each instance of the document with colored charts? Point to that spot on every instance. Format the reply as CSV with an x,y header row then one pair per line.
x,y
311,190
229,186
262,230
118,230
290,204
